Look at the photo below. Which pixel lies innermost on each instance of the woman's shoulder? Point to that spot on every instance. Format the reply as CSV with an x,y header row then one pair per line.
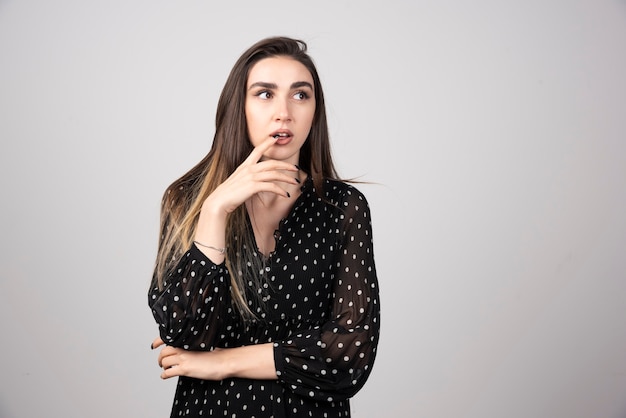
x,y
342,192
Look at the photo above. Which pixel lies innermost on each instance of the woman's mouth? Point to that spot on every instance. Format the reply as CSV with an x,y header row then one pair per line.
x,y
282,137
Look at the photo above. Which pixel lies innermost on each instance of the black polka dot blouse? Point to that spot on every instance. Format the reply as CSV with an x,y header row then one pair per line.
x,y
320,310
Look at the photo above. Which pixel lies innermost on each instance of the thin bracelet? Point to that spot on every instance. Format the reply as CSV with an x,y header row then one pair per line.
x,y
220,250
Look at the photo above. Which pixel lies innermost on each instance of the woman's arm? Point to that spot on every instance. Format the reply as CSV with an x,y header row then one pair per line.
x,y
191,307
251,362
195,301
334,360
198,287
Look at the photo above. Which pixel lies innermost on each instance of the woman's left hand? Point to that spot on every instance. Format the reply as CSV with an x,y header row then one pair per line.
x,y
207,365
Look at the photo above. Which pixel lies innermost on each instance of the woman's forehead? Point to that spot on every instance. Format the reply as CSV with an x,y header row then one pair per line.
x,y
280,71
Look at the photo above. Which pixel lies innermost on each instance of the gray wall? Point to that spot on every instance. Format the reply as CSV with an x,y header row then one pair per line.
x,y
495,134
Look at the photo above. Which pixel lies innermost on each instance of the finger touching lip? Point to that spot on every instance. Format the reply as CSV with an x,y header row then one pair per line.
x,y
282,133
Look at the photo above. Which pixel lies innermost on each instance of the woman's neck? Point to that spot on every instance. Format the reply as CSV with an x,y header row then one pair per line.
x,y
267,209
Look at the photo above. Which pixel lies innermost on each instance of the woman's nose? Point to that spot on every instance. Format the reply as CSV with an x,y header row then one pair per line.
x,y
282,111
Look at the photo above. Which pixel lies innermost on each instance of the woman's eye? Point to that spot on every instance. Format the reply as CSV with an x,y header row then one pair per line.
x,y
301,95
264,94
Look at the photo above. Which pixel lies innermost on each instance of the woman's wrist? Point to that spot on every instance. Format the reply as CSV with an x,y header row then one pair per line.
x,y
210,235
250,362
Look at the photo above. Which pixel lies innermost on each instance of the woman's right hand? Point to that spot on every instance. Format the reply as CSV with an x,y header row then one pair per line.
x,y
251,177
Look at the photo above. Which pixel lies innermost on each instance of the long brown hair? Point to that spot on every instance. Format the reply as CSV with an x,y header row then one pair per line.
x,y
183,199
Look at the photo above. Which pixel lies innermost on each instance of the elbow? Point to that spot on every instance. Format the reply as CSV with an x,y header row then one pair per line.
x,y
351,382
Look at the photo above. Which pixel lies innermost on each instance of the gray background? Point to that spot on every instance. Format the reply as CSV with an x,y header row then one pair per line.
x,y
494,134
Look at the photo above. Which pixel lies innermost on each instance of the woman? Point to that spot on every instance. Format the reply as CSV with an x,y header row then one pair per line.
x,y
265,288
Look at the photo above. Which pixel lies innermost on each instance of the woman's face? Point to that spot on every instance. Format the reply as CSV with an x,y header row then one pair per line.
x,y
280,100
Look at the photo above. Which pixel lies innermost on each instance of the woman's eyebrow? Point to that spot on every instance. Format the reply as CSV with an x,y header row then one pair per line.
x,y
299,84
274,86
263,84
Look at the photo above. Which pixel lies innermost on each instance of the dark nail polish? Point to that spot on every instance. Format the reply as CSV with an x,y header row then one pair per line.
x,y
151,346
288,195
297,166
297,180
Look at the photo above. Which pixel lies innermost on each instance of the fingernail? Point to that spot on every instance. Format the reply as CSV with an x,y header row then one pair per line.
x,y
297,166
288,195
297,180
151,346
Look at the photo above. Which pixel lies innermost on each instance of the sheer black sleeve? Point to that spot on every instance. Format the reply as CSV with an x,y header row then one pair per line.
x,y
191,307
333,360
